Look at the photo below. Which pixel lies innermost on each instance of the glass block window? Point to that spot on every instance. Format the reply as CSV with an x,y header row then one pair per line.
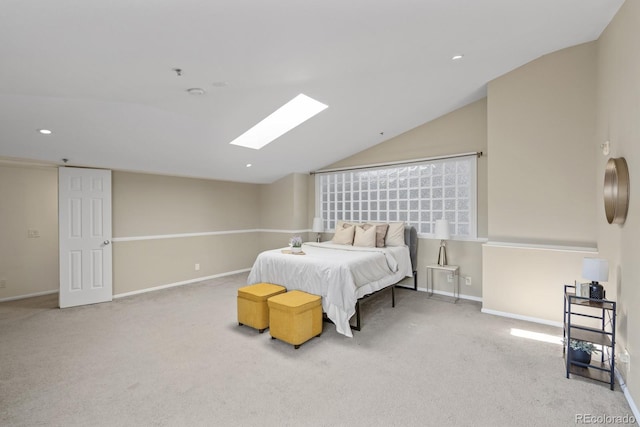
x,y
416,194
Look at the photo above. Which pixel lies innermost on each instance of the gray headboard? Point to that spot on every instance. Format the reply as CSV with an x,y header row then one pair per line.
x,y
411,239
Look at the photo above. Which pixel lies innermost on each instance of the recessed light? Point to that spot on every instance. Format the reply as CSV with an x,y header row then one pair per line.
x,y
196,91
45,131
293,113
456,57
249,165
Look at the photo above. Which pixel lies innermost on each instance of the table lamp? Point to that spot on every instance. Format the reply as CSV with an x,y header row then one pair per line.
x,y
596,270
317,227
442,232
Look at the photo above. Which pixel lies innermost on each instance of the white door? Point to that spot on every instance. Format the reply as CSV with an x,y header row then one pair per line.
x,y
84,204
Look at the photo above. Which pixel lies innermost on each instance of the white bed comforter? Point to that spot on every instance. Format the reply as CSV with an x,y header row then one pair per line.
x,y
340,274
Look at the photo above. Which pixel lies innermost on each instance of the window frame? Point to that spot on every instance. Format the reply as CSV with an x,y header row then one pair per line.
x,y
404,207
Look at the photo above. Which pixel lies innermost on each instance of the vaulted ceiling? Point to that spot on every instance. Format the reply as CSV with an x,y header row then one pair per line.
x,y
101,75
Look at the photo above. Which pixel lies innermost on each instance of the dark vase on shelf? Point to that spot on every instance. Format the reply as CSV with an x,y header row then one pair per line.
x,y
579,356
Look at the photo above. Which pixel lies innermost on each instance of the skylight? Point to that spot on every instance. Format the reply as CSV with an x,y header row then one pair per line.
x,y
295,112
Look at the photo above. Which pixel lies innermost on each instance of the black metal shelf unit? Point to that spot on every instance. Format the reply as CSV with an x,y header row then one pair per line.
x,y
577,310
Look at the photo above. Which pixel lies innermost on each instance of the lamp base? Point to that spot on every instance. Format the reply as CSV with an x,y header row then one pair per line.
x,y
596,290
442,254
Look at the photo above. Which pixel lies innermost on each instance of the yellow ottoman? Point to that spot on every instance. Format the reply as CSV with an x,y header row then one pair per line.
x,y
252,304
295,317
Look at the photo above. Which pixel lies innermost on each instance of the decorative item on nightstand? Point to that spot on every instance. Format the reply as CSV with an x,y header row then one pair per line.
x,y
582,289
596,270
296,244
317,227
442,233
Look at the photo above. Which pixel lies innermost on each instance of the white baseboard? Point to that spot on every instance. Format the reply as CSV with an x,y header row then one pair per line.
x,y
450,294
141,291
36,294
520,317
627,395
184,282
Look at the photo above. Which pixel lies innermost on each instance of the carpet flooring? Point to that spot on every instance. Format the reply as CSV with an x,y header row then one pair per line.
x,y
178,357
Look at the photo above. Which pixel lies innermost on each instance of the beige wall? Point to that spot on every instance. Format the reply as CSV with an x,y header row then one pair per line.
x,y
284,203
146,209
276,203
618,115
461,131
143,264
528,282
146,205
541,185
28,200
540,128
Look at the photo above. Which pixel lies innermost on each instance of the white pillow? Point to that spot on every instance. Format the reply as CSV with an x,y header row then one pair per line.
x,y
344,236
395,234
365,237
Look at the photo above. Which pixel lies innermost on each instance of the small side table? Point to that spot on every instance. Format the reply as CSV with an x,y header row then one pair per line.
x,y
452,269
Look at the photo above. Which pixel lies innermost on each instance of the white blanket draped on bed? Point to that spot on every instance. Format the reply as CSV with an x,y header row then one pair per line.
x,y
340,274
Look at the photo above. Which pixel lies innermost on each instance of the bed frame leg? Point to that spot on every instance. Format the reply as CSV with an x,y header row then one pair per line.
x,y
357,326
415,283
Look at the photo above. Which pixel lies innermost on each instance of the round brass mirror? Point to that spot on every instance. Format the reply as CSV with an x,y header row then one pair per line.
x,y
616,190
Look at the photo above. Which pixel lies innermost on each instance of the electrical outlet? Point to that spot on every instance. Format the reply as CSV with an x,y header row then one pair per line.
x,y
467,280
3,283
624,357
197,267
450,277
623,360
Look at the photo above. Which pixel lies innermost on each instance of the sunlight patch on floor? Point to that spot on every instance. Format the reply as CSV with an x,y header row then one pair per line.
x,y
537,336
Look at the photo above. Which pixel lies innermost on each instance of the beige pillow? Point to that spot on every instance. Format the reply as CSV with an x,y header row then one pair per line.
x,y
365,236
344,236
381,233
340,224
395,234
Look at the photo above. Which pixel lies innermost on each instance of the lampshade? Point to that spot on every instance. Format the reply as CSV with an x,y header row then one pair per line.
x,y
442,230
595,269
317,225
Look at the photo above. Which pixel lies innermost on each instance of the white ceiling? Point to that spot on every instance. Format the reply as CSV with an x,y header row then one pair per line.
x,y
100,74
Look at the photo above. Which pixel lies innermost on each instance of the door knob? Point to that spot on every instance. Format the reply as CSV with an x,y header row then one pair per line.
x,y
106,242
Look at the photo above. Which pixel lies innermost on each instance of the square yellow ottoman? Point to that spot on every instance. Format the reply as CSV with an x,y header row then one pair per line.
x,y
295,317
252,304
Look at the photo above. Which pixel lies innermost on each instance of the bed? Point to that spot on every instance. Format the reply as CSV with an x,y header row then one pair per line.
x,y
341,274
